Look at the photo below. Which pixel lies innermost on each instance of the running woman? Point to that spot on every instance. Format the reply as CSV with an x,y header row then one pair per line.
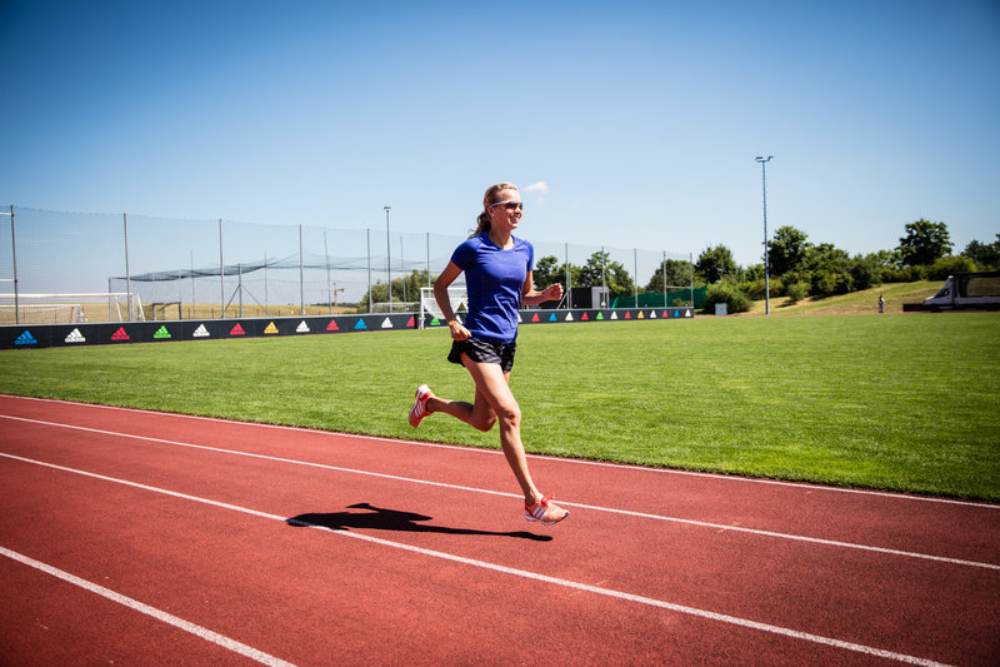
x,y
498,277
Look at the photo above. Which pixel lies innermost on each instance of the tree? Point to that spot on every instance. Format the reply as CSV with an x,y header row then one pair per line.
x,y
925,241
380,293
829,270
678,274
715,263
786,250
986,255
599,268
547,272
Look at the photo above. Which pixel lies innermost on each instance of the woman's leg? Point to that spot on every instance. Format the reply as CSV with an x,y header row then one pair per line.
x,y
492,386
478,415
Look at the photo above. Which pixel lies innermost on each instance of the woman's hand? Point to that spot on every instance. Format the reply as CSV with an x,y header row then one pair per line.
x,y
458,331
553,292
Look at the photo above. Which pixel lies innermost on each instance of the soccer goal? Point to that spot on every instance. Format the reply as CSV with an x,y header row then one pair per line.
x,y
69,308
458,296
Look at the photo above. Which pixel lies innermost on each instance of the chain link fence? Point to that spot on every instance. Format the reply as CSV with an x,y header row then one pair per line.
x,y
62,267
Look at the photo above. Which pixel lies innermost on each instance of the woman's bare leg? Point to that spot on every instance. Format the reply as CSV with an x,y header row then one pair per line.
x,y
478,415
492,387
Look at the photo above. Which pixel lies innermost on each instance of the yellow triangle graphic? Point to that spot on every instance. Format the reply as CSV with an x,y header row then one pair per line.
x,y
271,329
641,316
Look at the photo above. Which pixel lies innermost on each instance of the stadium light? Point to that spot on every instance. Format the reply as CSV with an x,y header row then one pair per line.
x,y
388,255
767,277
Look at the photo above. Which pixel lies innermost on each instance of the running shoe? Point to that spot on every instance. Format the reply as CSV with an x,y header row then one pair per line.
x,y
545,512
419,409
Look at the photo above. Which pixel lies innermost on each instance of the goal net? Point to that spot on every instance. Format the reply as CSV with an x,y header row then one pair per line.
x,y
428,304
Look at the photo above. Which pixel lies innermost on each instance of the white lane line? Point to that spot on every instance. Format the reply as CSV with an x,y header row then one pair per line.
x,y
135,605
517,572
544,457
472,489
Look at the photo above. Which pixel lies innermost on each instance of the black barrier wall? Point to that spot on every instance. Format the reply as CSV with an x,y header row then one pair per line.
x,y
26,337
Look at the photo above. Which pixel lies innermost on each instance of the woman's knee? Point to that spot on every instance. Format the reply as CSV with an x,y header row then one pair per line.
x,y
509,415
485,422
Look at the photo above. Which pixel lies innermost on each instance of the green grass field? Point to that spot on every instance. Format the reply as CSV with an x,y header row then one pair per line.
x,y
903,402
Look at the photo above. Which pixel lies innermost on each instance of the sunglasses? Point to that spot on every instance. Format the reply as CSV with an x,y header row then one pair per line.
x,y
509,204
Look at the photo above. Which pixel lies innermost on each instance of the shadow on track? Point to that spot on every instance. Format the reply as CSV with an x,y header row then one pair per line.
x,y
379,518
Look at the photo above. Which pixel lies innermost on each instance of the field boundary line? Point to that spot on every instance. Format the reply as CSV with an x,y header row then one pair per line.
x,y
517,572
544,457
472,489
160,615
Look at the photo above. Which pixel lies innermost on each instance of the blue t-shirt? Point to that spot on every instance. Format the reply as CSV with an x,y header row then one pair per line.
x,y
494,279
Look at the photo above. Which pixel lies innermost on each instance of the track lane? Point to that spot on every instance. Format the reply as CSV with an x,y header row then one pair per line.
x,y
816,592
312,597
945,529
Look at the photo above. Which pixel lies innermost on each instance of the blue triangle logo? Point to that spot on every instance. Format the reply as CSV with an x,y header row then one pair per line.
x,y
552,318
360,324
25,339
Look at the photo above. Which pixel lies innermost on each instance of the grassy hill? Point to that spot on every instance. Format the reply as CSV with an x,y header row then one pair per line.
x,y
864,302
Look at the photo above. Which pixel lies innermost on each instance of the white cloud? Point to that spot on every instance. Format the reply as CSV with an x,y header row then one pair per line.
x,y
540,187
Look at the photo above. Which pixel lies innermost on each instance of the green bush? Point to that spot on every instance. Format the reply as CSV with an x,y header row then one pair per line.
x,y
755,288
728,293
797,291
905,274
949,266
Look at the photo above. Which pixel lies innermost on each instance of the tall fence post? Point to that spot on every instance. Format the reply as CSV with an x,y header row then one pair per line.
x,y
110,315
604,274
569,287
635,267
266,302
13,254
302,289
428,258
691,263
663,268
329,290
239,285
128,276
388,256
222,282
194,302
368,236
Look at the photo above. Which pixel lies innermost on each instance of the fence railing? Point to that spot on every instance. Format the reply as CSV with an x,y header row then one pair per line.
x,y
103,267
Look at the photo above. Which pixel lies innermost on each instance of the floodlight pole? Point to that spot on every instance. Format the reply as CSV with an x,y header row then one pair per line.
x,y
368,246
388,255
767,269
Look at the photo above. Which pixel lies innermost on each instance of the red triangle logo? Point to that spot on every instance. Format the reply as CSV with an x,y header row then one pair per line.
x,y
411,323
237,330
584,317
332,326
120,334
664,314
535,318
628,315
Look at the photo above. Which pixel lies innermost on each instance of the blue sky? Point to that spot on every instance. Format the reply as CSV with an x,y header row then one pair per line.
x,y
642,119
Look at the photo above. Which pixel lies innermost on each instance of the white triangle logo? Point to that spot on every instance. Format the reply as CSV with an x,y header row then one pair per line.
x,y
687,313
302,328
75,337
614,316
201,332
569,317
387,323
652,315
519,317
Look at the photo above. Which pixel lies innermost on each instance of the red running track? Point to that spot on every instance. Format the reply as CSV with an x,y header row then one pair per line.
x,y
154,538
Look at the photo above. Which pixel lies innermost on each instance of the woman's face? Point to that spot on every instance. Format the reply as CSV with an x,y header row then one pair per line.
x,y
506,212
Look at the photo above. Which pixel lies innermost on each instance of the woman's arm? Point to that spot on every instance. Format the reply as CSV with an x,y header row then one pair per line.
x,y
447,277
532,297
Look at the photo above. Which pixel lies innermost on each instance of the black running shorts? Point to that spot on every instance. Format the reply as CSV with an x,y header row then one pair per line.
x,y
484,352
